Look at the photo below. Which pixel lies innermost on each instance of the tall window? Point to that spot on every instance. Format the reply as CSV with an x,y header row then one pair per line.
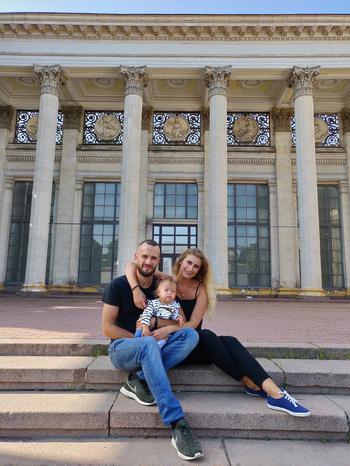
x,y
99,233
19,232
248,235
175,219
331,237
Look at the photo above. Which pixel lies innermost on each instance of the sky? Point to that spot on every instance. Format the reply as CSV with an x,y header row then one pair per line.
x,y
178,6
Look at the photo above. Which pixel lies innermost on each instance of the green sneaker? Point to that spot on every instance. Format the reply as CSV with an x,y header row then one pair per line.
x,y
138,390
186,444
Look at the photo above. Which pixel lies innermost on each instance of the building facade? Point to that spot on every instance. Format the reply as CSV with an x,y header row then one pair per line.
x,y
230,133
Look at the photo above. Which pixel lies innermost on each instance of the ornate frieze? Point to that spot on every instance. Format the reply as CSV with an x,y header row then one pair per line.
x,y
301,80
49,77
72,117
135,79
326,130
27,127
282,118
346,120
248,129
6,114
140,28
217,79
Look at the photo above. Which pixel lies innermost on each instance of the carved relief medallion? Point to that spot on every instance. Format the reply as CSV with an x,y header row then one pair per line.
x,y
321,130
32,127
176,128
107,127
245,129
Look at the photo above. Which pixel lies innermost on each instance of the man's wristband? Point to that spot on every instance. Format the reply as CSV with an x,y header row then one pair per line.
x,y
155,323
134,288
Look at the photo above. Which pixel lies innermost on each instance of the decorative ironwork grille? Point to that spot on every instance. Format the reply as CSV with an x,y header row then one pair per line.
x,y
188,133
26,127
250,134
91,136
332,138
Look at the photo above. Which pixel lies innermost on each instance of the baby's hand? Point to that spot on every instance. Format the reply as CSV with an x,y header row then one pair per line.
x,y
145,331
180,320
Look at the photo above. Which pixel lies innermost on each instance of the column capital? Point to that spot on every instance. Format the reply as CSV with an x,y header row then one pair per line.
x,y
281,118
72,117
345,113
217,79
6,113
146,122
135,79
301,80
49,77
205,118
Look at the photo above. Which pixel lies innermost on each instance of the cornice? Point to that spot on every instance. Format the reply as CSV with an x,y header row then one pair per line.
x,y
175,27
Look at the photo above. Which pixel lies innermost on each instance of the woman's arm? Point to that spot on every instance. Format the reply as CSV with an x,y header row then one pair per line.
x,y
139,298
199,310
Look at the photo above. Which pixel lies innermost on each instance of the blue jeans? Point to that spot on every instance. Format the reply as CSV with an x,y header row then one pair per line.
x,y
138,334
152,363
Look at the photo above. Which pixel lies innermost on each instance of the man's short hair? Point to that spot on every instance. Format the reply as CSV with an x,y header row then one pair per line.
x,y
150,242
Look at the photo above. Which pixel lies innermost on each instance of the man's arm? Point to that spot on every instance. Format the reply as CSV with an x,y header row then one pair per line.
x,y
110,330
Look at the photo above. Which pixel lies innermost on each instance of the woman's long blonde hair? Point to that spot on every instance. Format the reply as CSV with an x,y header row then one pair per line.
x,y
204,275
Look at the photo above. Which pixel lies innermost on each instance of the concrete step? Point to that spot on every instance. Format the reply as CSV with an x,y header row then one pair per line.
x,y
83,372
234,415
33,415
43,372
297,375
99,346
159,452
44,415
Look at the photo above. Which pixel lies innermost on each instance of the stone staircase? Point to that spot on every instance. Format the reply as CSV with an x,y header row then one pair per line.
x,y
62,392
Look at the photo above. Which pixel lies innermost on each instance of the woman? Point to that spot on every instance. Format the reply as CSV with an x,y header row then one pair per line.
x,y
196,295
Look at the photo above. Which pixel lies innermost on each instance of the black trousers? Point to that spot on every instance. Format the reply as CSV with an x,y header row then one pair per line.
x,y
228,354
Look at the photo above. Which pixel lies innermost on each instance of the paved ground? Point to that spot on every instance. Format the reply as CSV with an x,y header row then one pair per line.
x,y
251,320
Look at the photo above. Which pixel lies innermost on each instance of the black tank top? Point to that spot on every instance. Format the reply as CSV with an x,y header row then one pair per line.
x,y
187,305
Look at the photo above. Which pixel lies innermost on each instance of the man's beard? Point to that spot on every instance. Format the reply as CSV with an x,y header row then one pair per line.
x,y
145,273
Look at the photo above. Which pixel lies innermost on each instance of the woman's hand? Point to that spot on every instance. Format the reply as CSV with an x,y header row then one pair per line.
x,y
180,320
162,333
140,300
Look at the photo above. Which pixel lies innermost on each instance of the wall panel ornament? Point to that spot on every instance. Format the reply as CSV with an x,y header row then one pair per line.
x,y
73,117
326,130
346,120
27,127
248,129
177,128
103,127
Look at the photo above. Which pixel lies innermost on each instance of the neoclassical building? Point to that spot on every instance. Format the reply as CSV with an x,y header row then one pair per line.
x,y
226,132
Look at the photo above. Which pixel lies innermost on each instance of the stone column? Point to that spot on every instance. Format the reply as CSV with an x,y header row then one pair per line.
x,y
301,80
273,234
6,114
76,226
135,81
43,176
285,226
146,131
345,200
65,205
217,80
205,133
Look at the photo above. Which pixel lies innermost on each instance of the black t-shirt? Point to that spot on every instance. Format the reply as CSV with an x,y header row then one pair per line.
x,y
118,293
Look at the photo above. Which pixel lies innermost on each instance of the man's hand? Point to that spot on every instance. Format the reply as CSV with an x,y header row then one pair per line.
x,y
162,333
139,298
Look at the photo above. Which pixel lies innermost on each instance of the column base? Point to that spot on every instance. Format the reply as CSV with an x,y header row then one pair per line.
x,y
246,292
2,287
313,292
34,288
288,292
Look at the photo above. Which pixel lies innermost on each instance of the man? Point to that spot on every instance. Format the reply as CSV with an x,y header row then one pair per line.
x,y
150,384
